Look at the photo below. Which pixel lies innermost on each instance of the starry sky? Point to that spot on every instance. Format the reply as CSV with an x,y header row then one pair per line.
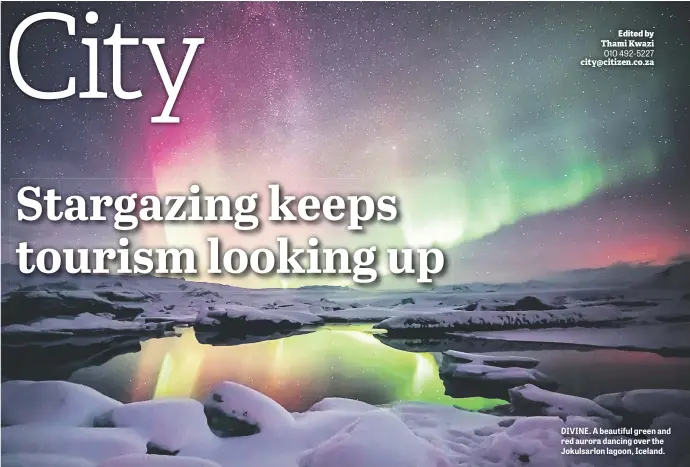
x,y
499,145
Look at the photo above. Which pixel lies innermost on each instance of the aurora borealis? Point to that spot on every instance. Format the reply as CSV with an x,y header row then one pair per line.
x,y
500,147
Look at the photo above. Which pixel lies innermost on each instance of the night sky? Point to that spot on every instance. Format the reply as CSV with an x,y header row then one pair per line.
x,y
501,147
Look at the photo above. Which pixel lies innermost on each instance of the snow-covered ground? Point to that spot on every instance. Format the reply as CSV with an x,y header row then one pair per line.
x,y
145,304
449,321
660,337
69,425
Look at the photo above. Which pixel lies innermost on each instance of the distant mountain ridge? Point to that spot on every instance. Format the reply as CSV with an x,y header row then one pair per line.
x,y
676,276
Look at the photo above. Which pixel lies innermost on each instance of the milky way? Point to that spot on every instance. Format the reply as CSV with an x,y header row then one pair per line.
x,y
500,146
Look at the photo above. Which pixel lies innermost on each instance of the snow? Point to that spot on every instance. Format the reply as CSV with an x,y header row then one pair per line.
x,y
456,356
533,442
149,460
167,424
438,420
333,433
648,402
94,444
44,460
49,402
469,321
676,443
367,443
531,400
339,403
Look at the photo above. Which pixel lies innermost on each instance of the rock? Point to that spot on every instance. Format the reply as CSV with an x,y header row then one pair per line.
x,y
235,410
640,406
52,402
167,425
529,400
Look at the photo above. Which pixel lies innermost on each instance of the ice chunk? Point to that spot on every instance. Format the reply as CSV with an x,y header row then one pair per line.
x,y
236,410
476,380
247,319
530,400
515,376
456,356
52,402
167,425
640,406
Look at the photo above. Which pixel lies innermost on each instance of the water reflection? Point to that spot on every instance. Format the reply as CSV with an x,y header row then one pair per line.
x,y
332,361
298,371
